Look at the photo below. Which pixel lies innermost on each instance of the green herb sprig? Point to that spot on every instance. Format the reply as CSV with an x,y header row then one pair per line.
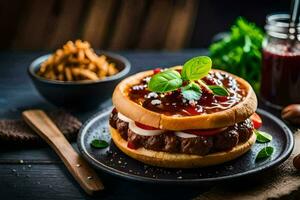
x,y
192,91
165,81
240,52
193,70
265,153
99,144
263,137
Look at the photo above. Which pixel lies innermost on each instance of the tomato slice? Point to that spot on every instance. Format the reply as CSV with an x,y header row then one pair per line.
x,y
156,70
257,122
207,132
145,127
131,145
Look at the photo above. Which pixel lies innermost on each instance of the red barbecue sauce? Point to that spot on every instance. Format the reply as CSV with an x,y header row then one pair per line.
x,y
172,103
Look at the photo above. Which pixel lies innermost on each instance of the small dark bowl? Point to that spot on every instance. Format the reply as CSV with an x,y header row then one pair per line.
x,y
78,94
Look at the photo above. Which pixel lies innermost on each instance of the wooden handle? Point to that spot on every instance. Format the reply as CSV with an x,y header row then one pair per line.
x,y
82,172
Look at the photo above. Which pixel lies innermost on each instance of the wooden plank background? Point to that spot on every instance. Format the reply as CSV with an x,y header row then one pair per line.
x,y
106,24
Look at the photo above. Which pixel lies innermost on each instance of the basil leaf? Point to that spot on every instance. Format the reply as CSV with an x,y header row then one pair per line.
x,y
99,144
263,137
196,68
218,90
165,81
191,92
265,153
192,86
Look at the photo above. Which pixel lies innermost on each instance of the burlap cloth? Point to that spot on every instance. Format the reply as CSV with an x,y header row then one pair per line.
x,y
18,132
282,182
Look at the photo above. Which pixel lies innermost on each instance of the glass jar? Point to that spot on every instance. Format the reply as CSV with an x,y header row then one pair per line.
x,y
280,82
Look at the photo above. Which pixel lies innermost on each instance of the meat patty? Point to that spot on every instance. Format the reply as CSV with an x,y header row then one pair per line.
x,y
226,140
122,127
155,142
135,139
172,143
168,142
113,118
245,130
199,145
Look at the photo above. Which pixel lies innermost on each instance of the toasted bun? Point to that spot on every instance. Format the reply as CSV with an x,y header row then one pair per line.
x,y
225,118
179,160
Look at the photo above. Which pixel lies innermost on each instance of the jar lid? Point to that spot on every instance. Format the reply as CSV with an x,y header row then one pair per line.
x,y
278,25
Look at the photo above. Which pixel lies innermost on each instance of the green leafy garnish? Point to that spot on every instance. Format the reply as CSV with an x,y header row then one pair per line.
x,y
196,68
165,81
265,153
218,90
262,137
191,92
99,144
240,52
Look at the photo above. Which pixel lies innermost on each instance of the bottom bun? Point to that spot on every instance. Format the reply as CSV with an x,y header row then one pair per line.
x,y
180,160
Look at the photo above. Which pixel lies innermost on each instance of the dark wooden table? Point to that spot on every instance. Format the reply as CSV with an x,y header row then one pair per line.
x,y
36,172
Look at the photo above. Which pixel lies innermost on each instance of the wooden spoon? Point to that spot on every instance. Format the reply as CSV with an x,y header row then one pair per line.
x,y
82,172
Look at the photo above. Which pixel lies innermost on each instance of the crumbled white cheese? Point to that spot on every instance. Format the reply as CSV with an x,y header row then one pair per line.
x,y
138,87
219,76
147,79
209,75
156,102
192,102
174,104
218,82
199,109
152,95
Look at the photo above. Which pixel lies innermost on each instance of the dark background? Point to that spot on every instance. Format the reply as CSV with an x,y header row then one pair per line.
x,y
125,24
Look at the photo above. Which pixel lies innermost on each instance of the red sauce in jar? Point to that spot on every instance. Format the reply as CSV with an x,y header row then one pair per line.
x,y
280,83
172,103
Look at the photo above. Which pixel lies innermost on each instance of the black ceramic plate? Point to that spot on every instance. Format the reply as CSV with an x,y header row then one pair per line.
x,y
113,161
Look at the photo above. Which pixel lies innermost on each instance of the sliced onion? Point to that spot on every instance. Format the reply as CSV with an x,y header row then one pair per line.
x,y
143,132
123,118
185,135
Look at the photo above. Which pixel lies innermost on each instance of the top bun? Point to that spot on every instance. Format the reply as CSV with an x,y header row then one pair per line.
x,y
238,113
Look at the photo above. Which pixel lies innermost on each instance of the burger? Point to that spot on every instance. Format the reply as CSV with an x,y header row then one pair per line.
x,y
183,117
